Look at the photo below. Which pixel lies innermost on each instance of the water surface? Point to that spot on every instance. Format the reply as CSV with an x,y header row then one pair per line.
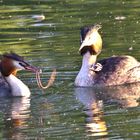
x,y
46,32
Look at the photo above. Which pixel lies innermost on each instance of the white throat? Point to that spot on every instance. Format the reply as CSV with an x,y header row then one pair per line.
x,y
85,75
18,88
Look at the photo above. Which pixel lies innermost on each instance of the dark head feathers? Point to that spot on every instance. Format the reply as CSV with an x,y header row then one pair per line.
x,y
86,29
13,56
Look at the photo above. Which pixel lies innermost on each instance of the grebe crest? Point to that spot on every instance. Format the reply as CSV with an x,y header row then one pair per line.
x,y
10,64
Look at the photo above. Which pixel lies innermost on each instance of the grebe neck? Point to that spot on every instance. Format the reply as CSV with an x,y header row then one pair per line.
x,y
85,75
18,88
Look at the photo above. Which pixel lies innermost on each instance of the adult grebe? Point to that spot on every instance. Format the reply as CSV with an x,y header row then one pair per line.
x,y
115,70
10,85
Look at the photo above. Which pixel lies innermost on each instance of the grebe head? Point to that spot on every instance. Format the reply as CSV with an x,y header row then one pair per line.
x,y
91,40
11,63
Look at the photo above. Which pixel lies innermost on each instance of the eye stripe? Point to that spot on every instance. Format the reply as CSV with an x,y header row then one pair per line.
x,y
23,64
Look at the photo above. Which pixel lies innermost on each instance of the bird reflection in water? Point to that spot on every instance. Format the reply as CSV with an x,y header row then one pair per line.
x,y
124,96
16,115
95,124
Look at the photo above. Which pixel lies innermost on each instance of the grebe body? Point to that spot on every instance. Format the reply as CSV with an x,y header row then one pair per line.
x,y
10,85
116,70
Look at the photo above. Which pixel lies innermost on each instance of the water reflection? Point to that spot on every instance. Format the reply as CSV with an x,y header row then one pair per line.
x,y
16,114
93,109
93,100
38,18
125,96
47,33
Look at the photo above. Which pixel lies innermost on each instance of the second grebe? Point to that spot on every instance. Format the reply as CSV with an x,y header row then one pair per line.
x,y
10,85
115,70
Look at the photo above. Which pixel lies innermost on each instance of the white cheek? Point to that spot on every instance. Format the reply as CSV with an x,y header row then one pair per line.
x,y
17,65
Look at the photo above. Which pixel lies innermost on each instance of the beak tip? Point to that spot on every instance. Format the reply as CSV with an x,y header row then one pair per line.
x,y
33,69
81,47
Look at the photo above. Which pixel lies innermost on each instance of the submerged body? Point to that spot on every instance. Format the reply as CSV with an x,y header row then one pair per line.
x,y
115,70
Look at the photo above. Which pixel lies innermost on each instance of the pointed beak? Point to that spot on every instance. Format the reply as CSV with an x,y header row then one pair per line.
x,y
81,47
89,40
92,42
32,69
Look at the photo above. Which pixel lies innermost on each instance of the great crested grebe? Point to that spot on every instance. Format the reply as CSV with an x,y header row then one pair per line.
x,y
115,70
10,85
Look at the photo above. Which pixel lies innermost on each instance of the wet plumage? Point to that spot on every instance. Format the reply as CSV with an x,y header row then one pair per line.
x,y
116,70
10,85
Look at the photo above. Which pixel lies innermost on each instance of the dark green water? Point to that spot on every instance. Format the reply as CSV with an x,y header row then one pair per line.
x,y
63,111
